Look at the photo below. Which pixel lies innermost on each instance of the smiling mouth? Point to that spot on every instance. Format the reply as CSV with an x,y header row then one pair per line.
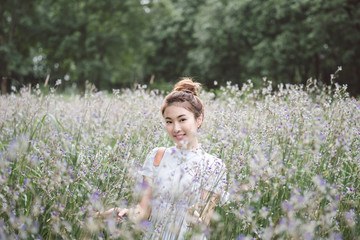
x,y
179,137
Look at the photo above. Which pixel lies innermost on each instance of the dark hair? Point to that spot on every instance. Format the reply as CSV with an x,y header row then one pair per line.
x,y
185,91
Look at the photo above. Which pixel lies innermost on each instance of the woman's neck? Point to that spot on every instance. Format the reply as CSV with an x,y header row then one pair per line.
x,y
189,145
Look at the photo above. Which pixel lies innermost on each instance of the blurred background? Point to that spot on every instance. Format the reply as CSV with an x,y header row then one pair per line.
x,y
115,44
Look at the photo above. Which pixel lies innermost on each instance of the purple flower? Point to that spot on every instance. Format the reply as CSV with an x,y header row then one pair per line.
x,y
95,195
301,199
308,236
287,206
337,236
145,224
241,237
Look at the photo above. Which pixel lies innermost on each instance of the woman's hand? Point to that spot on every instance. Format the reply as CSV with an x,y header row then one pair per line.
x,y
121,213
194,215
202,211
136,214
117,213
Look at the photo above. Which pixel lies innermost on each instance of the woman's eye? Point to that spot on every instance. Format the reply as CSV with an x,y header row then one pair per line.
x,y
182,120
168,122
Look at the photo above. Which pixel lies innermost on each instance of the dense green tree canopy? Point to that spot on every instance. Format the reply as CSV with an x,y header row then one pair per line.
x,y
116,43
93,40
98,41
285,41
17,39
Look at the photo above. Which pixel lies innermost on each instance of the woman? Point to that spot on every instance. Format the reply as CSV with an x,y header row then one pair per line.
x,y
184,188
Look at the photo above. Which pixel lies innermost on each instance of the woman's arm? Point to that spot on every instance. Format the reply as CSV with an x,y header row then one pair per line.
x,y
209,201
142,210
138,213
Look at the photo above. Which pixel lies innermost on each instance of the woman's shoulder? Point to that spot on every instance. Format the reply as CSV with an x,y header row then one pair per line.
x,y
166,152
153,151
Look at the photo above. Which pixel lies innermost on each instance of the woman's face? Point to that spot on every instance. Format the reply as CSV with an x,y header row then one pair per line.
x,y
182,126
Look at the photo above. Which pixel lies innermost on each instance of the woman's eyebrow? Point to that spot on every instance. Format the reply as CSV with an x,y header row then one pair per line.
x,y
181,115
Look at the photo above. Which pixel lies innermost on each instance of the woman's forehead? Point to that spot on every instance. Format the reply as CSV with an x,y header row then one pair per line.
x,y
176,109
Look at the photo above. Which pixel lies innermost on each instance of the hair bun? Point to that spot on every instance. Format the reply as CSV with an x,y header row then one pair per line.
x,y
187,85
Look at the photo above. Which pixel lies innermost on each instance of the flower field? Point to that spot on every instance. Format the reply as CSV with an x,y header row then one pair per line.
x,y
293,160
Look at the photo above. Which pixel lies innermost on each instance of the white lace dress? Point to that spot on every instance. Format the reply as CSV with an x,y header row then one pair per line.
x,y
177,185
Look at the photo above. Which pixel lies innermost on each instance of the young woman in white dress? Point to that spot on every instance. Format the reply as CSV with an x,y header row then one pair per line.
x,y
184,188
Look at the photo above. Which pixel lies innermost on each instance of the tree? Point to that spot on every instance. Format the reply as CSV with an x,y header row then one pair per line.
x,y
171,34
115,43
286,41
224,40
98,41
17,38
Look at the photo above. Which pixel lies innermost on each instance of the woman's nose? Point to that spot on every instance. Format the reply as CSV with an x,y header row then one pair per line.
x,y
176,127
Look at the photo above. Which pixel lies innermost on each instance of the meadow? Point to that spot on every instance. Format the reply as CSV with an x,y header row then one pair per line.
x,y
292,154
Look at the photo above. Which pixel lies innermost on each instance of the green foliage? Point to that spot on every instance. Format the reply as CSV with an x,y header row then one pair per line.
x,y
171,34
287,41
115,44
94,40
17,38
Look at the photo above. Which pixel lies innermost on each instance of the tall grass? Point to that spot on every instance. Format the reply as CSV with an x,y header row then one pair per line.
x,y
293,157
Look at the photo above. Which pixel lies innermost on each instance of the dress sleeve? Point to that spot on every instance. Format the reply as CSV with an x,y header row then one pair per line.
x,y
148,169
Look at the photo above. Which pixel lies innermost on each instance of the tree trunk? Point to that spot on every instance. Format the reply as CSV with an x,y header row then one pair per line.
x,y
4,81
357,87
317,66
81,84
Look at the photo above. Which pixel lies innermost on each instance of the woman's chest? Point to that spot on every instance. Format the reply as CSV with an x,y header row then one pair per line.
x,y
179,179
